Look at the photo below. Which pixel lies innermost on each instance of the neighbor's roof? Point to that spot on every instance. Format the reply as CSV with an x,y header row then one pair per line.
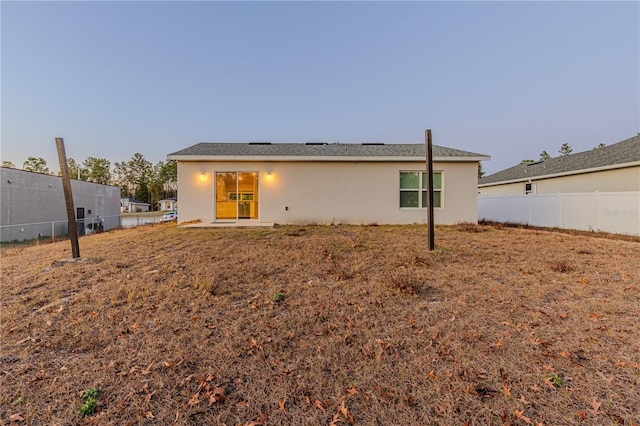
x,y
621,154
320,151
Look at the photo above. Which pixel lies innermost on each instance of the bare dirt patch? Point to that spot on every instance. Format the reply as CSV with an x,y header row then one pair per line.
x,y
313,325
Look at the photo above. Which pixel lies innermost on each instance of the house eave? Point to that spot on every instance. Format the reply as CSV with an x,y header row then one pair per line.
x,y
254,158
562,174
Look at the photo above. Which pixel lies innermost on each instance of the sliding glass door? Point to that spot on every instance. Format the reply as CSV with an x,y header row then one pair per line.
x,y
236,195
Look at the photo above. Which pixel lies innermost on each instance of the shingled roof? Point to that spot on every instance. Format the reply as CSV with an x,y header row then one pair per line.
x,y
611,156
310,151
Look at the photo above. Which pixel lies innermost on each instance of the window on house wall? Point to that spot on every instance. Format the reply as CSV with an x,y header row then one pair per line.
x,y
413,189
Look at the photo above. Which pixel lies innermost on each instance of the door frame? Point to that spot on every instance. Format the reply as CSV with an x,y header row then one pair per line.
x,y
215,196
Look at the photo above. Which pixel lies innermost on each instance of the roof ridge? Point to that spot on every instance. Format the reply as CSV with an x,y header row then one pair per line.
x,y
320,149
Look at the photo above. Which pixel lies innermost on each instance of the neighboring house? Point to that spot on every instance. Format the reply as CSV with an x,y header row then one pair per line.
x,y
169,204
613,168
324,183
592,190
130,205
33,205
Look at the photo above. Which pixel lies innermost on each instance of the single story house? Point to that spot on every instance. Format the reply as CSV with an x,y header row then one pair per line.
x,y
32,205
324,183
612,168
170,203
131,205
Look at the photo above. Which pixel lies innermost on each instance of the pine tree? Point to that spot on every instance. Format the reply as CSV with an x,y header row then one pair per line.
x,y
37,165
480,171
565,149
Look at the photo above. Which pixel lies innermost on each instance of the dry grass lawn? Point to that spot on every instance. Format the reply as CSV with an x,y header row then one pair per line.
x,y
323,325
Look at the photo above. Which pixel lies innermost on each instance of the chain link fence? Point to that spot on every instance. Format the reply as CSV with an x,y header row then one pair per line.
x,y
28,234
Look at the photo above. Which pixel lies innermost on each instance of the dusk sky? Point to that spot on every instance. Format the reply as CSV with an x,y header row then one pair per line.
x,y
507,79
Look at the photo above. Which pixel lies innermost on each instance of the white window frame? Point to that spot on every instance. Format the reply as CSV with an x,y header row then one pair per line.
x,y
421,189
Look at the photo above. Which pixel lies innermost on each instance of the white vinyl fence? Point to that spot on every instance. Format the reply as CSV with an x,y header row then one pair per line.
x,y
615,212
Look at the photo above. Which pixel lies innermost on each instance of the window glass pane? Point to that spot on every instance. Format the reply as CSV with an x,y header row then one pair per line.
x,y
436,199
437,180
409,180
408,198
226,195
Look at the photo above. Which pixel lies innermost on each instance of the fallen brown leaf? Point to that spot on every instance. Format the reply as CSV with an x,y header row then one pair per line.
x,y
16,418
195,399
345,412
519,414
352,390
335,420
507,391
217,395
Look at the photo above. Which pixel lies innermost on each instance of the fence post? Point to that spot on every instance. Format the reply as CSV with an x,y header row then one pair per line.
x,y
53,231
504,207
559,201
598,208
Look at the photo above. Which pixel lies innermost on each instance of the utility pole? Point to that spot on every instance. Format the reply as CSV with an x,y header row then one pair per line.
x,y
66,186
427,140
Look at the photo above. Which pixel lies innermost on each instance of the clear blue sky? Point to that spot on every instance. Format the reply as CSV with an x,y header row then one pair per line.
x,y
507,79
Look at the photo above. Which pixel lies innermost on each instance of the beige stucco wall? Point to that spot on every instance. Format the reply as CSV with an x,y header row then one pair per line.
x,y
330,192
626,179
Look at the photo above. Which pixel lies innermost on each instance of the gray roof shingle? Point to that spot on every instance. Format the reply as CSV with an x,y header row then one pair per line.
x,y
626,151
320,150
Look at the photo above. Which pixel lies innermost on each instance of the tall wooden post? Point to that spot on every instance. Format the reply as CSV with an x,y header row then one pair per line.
x,y
427,140
66,186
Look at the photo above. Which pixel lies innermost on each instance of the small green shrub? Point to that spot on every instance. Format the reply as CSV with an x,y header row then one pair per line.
x,y
92,393
278,297
89,404
88,408
556,381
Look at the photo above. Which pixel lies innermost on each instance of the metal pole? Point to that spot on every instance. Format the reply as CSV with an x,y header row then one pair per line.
x,y
427,137
66,186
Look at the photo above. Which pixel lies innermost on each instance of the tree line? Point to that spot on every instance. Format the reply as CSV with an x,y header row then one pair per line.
x,y
137,178
565,149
